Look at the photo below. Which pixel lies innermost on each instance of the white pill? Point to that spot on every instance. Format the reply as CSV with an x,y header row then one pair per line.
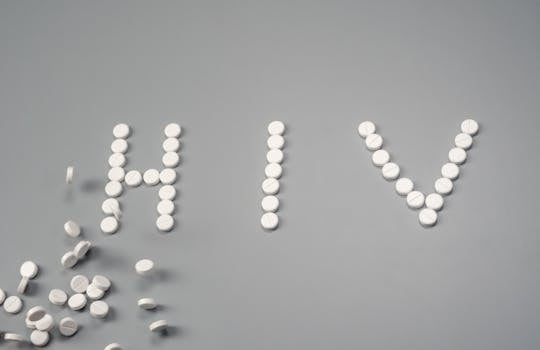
x,y
171,145
116,174
57,297
158,326
81,249
444,186
147,303
165,207
269,221
404,185
434,201
13,304
165,223
390,171
29,324
366,128
113,346
77,301
36,313
170,159
167,176
270,186
151,177
167,192
113,189
144,267
415,199
2,296
39,338
69,260
463,140
275,141
68,327
109,225
427,217
99,309
79,283
93,292
121,131
23,284
119,146
72,228
45,324
276,128
110,205
469,126
374,142
173,130
117,160
101,282
29,269
273,170
69,174
133,178
380,157
13,337
270,203
274,156
457,155
450,171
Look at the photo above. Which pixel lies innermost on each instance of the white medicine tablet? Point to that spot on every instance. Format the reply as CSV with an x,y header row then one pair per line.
x,y
171,145
147,303
99,309
269,221
270,186
390,171
457,155
270,203
469,126
72,228
2,296
29,269
366,128
68,326
380,157
101,282
443,185
69,174
29,324
167,176
427,217
415,199
273,170
109,225
374,142
113,346
57,297
276,128
173,130
144,267
165,207
110,205
151,177
81,249
450,171
13,305
434,201
121,131
116,174
113,189
133,178
69,260
45,324
79,283
158,326
119,146
165,223
170,159
13,337
274,156
167,192
77,301
275,141
404,185
93,292
23,284
463,140
117,160
36,313
39,338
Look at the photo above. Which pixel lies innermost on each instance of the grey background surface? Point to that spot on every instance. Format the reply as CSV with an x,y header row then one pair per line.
x,y
350,267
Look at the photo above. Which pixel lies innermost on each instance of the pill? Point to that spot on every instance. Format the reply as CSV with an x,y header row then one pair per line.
x,y
13,304
443,185
113,346
72,228
366,128
469,126
117,160
171,144
167,176
165,223
147,303
57,297
165,207
109,225
270,186
93,292
81,249
2,296
450,171
144,267
167,192
116,174
113,189
99,309
274,156
457,155
13,337
69,174
36,313
374,142
170,159
270,203
69,259
269,221
158,326
68,327
151,177
404,185
110,205
434,201
273,170
121,131
463,141
380,157
29,324
276,128
39,338
45,324
427,217
29,269
77,301
119,146
173,130
275,141
415,199
133,178
79,283
101,282
23,284
390,171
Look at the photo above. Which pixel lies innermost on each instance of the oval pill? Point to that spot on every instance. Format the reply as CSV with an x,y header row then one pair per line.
x,y
113,346
81,249
147,303
2,296
69,259
101,282
158,326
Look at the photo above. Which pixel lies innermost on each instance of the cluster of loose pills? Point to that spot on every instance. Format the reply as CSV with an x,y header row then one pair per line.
x,y
145,267
72,257
272,171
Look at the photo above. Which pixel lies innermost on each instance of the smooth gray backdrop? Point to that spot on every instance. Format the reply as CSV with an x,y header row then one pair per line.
x,y
349,267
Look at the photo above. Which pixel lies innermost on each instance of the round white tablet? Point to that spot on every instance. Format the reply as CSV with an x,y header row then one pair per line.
x,y
158,326
374,142
2,296
404,185
133,178
151,177
36,313
113,189
434,201
13,304
29,269
366,128
68,327
273,170
275,141
463,141
57,297
147,303
99,309
81,249
101,282
469,126
79,283
380,157
45,324
69,260
457,155
443,185
270,186
113,346
270,203
415,199
173,130
116,174
144,266
390,171
110,205
170,159
427,217
109,225
77,301
39,338
167,176
274,156
121,131
171,145
165,207
119,146
117,159
269,221
276,128
167,192
93,292
72,228
450,171
165,223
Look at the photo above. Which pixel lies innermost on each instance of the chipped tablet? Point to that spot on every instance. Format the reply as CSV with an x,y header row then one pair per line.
x,y
110,205
45,324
